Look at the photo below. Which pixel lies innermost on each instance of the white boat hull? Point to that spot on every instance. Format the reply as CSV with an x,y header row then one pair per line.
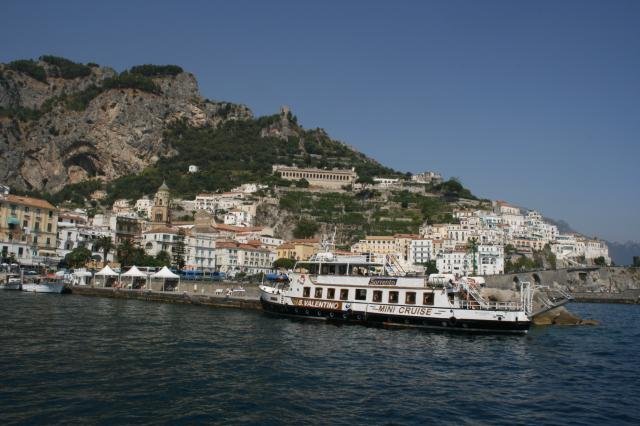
x,y
10,286
43,287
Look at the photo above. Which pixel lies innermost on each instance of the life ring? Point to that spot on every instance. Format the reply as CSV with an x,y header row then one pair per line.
x,y
302,279
453,321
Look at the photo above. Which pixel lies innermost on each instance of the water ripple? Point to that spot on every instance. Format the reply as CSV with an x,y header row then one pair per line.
x,y
68,359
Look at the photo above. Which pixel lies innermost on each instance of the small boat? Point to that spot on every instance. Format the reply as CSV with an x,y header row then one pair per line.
x,y
12,282
357,289
36,284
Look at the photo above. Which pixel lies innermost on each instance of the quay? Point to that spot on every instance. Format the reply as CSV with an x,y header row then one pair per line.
x,y
249,301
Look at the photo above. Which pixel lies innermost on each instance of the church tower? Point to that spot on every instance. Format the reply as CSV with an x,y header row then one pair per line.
x,y
160,209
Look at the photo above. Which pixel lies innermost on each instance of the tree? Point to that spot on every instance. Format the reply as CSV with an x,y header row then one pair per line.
x,y
431,267
105,244
302,183
636,261
284,263
163,258
472,248
600,261
306,228
78,257
127,253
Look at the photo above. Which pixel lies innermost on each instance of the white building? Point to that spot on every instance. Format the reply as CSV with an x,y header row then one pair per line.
x,y
143,206
421,251
234,257
193,169
385,182
427,177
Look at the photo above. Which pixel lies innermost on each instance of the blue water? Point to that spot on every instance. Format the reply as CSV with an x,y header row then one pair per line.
x,y
74,359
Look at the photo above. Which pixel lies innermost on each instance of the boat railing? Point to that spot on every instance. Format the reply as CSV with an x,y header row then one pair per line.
x,y
491,306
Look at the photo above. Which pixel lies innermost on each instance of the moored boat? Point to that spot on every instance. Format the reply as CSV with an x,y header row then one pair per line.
x,y
36,284
12,282
357,289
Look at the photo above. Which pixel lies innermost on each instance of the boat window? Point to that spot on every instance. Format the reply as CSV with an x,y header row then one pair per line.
x,y
318,293
331,293
361,294
393,297
427,299
342,269
306,291
410,298
344,294
377,295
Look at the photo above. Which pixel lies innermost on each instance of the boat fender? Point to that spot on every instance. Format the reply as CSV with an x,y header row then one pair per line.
x,y
331,314
452,321
359,317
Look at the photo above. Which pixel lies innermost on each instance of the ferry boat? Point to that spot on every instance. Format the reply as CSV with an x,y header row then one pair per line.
x,y
358,289
37,284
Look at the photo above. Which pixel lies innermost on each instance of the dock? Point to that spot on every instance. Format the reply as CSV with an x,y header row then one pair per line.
x,y
217,301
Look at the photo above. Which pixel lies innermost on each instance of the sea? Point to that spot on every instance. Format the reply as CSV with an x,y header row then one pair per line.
x,y
68,359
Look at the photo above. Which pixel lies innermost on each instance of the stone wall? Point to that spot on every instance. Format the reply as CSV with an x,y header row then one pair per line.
x,y
575,280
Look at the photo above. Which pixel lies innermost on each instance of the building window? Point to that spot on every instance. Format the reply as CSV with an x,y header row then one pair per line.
x,y
306,291
361,294
427,299
50,215
331,293
48,227
410,298
48,241
393,297
377,296
344,294
318,293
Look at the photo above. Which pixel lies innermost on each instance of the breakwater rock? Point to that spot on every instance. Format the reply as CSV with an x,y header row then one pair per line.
x,y
561,316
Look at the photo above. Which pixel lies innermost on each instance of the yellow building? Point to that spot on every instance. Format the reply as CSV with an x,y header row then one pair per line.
x,y
27,223
298,249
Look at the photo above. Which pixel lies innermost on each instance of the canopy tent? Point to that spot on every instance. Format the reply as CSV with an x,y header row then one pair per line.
x,y
134,273
80,276
106,272
165,274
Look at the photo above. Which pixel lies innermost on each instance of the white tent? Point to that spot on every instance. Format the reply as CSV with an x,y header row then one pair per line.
x,y
165,274
80,276
134,273
106,272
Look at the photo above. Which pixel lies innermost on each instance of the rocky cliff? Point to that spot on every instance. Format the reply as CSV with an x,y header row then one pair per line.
x,y
62,122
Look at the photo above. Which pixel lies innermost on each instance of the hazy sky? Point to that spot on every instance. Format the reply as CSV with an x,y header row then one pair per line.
x,y
537,102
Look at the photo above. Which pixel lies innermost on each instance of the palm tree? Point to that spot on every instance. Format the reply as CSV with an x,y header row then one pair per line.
x,y
472,247
105,244
126,253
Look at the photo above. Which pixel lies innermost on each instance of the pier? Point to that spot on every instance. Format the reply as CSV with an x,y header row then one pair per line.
x,y
249,301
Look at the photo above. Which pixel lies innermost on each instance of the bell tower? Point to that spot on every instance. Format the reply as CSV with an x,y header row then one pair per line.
x,y
160,209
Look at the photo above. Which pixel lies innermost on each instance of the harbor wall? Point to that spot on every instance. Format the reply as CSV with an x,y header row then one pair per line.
x,y
589,284
246,302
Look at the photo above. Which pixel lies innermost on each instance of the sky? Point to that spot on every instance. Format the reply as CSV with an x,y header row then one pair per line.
x,y
536,103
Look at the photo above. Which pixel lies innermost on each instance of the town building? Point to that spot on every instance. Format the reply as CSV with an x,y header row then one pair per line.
x,y
160,212
233,257
298,249
427,177
28,229
332,179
